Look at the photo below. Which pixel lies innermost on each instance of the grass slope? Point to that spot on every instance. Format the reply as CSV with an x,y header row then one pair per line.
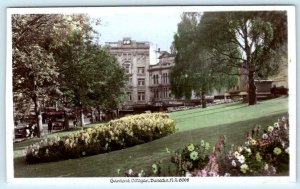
x,y
193,125
227,113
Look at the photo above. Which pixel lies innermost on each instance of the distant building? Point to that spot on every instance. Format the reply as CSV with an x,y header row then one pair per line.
x,y
134,57
160,89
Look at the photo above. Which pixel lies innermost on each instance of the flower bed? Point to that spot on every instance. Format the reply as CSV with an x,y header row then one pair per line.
x,y
115,135
265,153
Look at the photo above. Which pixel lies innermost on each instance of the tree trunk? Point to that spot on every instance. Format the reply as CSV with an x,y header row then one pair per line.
x,y
92,116
66,121
251,89
37,109
203,101
81,117
99,113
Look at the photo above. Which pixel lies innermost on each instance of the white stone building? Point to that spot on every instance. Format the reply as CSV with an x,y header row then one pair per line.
x,y
134,57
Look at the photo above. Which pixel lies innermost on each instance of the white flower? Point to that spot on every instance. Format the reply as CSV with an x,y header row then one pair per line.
x,y
188,174
141,173
83,153
285,126
236,154
283,118
227,175
276,125
247,143
248,150
287,150
241,159
233,163
270,129
130,171
266,167
240,149
265,136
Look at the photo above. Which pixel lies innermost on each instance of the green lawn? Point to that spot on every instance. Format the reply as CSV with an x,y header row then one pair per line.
x,y
208,124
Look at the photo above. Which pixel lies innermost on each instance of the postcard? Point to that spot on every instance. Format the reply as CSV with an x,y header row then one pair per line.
x,y
151,94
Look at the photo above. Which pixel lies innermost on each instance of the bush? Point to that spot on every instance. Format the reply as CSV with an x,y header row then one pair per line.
x,y
116,134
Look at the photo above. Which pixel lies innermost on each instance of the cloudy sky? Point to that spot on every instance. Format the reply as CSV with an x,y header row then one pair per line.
x,y
158,28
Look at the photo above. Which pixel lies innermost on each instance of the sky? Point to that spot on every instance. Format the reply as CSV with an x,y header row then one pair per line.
x,y
157,28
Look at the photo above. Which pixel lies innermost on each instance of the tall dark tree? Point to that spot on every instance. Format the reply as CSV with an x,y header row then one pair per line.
x,y
252,38
193,70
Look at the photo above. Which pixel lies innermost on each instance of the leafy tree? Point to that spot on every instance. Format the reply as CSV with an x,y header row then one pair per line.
x,y
193,70
34,67
35,72
252,38
90,77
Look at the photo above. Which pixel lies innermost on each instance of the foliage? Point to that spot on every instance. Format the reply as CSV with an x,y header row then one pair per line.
x,y
193,70
191,157
115,135
244,43
34,67
90,77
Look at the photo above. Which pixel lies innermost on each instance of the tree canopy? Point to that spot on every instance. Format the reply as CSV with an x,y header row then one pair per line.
x,y
193,71
231,43
57,57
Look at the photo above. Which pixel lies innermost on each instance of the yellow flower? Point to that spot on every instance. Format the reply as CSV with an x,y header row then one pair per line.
x,y
258,157
207,146
277,151
253,142
202,143
154,168
194,155
191,147
244,168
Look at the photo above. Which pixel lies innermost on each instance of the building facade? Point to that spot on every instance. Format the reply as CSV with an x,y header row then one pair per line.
x,y
160,88
133,56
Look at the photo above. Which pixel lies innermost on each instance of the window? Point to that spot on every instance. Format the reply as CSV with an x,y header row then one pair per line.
x,y
126,66
166,92
155,79
130,80
129,98
141,70
141,96
165,78
156,93
141,82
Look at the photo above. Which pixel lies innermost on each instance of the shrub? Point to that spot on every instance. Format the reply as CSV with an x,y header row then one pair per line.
x,y
116,134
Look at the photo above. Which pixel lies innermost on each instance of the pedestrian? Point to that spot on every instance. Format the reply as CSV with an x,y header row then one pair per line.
x,y
49,126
